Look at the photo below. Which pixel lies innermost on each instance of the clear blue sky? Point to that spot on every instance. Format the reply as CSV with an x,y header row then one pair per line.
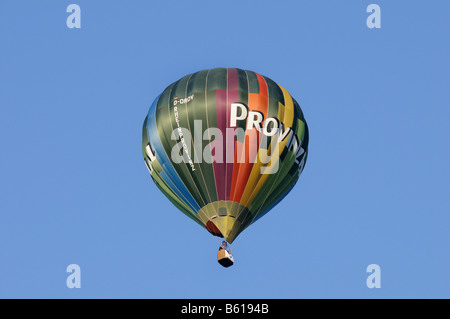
x,y
74,187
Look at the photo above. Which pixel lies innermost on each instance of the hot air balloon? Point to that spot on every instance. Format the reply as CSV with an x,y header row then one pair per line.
x,y
225,146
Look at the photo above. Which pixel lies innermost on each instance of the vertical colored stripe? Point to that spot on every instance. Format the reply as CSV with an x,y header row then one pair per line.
x,y
219,162
168,173
257,102
233,96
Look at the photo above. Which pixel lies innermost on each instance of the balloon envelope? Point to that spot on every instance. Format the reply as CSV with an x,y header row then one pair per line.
x,y
225,146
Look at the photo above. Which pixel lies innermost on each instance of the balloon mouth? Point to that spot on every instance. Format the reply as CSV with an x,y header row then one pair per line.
x,y
213,229
225,219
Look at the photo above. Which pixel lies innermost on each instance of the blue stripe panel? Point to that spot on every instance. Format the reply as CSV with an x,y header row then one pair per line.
x,y
168,174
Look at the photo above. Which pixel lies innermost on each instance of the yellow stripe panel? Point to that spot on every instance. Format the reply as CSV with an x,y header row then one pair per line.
x,y
288,117
287,114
